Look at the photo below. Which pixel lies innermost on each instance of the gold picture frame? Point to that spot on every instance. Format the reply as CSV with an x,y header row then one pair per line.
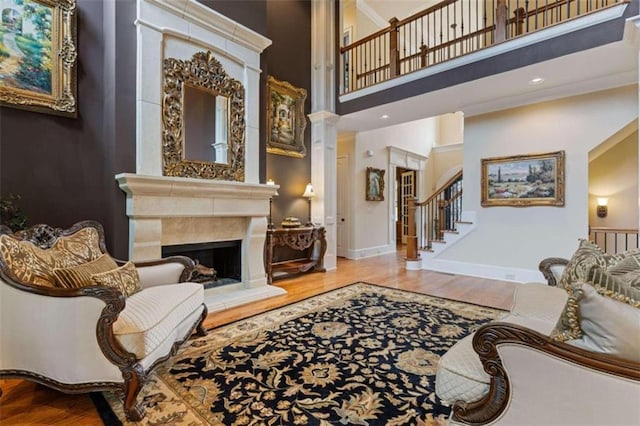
x,y
523,180
38,54
375,184
285,118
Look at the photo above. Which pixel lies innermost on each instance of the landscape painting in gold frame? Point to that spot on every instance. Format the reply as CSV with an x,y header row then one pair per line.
x,y
38,55
523,180
285,118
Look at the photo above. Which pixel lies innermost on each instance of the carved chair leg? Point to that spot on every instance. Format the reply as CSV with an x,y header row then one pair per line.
x,y
134,380
200,330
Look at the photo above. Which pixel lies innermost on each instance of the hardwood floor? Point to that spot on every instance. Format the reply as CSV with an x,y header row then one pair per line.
x,y
26,403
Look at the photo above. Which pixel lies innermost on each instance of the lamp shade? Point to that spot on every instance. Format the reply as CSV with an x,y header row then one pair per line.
x,y
603,201
308,192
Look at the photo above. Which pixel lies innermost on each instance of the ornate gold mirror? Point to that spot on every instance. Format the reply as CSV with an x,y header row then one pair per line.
x,y
203,124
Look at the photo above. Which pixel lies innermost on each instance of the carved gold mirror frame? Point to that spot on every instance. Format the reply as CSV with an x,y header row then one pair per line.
x,y
201,71
39,57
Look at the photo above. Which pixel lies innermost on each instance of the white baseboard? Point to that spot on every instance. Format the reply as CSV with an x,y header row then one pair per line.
x,y
371,251
493,272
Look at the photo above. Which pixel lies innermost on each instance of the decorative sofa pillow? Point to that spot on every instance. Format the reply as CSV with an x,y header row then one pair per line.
x,y
628,267
587,255
602,315
30,264
80,276
34,265
124,278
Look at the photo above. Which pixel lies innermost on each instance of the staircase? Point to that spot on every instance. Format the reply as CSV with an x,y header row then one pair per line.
x,y
439,222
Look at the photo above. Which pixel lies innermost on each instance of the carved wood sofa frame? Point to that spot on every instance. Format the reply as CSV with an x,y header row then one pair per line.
x,y
133,373
490,336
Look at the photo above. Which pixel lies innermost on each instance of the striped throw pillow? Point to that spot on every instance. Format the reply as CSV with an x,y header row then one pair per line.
x,y
80,276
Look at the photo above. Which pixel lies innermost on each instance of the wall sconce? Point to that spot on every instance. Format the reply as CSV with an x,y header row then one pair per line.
x,y
272,183
602,207
309,194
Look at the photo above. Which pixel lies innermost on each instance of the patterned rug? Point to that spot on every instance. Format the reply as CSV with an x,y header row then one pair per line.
x,y
360,355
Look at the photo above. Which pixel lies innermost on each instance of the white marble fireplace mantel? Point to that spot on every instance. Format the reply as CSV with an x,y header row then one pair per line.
x,y
166,211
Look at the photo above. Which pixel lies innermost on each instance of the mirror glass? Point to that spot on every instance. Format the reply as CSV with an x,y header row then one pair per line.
x,y
206,125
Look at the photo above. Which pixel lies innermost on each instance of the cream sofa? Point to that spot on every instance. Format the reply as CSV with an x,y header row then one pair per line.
x,y
510,372
91,338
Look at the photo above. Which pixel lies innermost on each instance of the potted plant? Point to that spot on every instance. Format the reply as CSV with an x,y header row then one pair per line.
x,y
10,214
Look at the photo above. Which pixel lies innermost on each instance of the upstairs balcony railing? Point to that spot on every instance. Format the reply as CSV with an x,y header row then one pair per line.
x,y
450,29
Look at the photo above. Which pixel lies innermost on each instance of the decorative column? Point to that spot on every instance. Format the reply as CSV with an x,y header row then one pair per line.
x,y
324,132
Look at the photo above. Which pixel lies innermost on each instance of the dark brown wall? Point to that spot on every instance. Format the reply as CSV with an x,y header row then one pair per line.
x,y
288,24
64,168
289,59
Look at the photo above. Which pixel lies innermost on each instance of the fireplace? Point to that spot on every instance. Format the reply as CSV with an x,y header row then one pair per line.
x,y
168,211
223,256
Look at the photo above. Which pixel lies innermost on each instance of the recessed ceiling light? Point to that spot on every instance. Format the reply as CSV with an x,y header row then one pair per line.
x,y
536,80
384,117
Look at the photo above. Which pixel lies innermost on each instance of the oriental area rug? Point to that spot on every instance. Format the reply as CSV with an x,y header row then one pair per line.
x,y
360,355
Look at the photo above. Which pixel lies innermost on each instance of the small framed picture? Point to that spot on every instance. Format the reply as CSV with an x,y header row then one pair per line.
x,y
375,184
285,118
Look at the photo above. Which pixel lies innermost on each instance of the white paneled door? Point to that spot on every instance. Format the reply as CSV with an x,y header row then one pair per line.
x,y
342,229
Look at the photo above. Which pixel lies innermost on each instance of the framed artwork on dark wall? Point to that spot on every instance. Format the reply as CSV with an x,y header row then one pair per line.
x,y
285,118
523,180
375,184
38,54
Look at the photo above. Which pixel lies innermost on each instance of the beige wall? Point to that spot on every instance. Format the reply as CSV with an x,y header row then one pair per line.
x,y
521,237
450,129
614,175
371,219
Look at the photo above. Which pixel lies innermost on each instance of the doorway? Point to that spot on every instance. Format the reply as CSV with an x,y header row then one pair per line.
x,y
405,184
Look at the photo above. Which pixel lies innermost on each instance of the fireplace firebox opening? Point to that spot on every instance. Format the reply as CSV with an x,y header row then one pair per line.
x,y
224,257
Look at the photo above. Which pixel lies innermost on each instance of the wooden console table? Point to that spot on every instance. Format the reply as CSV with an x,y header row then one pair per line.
x,y
303,239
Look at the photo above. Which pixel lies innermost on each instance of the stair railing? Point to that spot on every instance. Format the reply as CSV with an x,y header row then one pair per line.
x,y
614,240
430,219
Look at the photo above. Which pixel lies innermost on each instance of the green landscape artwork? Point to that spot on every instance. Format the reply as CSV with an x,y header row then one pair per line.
x,y
522,179
26,45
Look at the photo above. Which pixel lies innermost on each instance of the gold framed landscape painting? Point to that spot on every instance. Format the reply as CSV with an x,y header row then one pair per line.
x,y
523,180
38,55
285,118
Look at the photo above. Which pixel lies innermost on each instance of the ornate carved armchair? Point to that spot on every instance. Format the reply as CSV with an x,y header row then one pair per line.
x,y
91,338
510,372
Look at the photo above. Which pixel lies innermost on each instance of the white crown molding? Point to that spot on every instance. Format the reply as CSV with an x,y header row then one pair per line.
x,y
498,49
321,116
362,6
448,148
195,12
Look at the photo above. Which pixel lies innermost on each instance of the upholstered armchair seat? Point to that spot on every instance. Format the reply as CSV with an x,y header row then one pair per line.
x,y
93,338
